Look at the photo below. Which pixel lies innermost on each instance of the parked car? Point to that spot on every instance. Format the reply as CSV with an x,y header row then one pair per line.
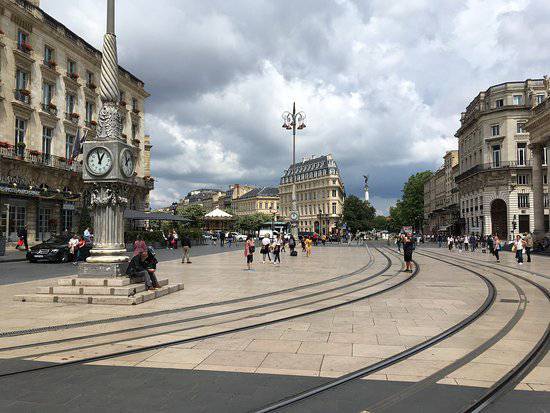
x,y
55,249
237,237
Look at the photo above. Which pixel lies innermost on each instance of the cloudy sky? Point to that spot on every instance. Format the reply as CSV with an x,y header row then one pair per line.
x,y
382,82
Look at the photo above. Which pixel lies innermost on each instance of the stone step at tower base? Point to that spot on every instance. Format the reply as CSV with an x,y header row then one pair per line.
x,y
114,291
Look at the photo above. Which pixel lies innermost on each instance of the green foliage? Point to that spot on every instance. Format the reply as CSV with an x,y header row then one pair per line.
x,y
195,214
409,210
251,223
148,236
358,214
379,223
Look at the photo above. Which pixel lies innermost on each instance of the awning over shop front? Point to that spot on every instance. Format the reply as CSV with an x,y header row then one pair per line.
x,y
133,215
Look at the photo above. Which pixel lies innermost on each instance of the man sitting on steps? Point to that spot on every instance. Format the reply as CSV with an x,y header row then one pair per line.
x,y
144,265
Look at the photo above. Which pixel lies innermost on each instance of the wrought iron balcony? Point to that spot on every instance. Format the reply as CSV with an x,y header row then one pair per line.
x,y
38,158
92,124
493,167
49,108
72,117
23,95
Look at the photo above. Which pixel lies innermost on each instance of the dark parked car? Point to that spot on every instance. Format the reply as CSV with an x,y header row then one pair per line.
x,y
55,249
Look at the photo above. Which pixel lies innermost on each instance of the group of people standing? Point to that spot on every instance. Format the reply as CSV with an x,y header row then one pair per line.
x,y
271,248
522,243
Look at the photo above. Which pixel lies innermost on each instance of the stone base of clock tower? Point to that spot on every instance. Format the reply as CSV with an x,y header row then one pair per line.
x,y
102,270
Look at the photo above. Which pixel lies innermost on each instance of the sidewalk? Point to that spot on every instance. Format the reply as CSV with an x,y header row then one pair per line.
x,y
13,255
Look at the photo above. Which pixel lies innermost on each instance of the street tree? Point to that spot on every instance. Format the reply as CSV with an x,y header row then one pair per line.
x,y
194,213
358,214
251,223
409,210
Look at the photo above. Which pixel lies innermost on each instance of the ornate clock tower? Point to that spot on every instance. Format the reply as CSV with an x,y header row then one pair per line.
x,y
109,164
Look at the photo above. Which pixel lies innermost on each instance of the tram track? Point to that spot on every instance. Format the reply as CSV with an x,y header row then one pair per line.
x,y
66,326
399,357
245,317
210,335
526,364
223,313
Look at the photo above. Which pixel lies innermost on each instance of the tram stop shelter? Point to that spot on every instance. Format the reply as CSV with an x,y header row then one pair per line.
x,y
218,220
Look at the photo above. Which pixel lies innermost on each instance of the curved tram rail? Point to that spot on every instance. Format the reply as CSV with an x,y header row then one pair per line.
x,y
520,370
228,331
358,374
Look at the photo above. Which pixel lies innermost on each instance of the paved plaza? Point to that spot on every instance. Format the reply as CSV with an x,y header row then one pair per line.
x,y
332,325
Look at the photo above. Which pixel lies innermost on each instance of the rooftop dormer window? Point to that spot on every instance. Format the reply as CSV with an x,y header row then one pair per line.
x,y
499,103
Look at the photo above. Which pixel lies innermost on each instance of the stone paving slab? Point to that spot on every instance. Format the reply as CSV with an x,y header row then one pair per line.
x,y
335,342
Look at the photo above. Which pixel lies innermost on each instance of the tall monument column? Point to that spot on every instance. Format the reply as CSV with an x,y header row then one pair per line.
x,y
109,164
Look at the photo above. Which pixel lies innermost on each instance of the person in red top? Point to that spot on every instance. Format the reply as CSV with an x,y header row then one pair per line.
x,y
139,245
249,249
77,247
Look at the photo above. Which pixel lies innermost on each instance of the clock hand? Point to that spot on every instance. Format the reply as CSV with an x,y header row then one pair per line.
x,y
100,157
127,160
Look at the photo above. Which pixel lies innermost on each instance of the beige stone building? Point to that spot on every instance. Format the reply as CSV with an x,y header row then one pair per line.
x,y
539,138
320,194
441,213
49,79
263,200
495,180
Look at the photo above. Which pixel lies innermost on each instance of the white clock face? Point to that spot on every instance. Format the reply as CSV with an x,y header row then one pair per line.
x,y
99,161
294,216
127,163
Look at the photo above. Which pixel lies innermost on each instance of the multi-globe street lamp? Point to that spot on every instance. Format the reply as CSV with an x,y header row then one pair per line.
x,y
294,121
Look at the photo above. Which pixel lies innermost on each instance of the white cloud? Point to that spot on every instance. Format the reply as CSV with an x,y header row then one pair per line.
x,y
382,83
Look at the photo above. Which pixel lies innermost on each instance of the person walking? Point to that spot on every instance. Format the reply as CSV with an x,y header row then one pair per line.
x,y
229,239
23,236
528,245
398,243
519,245
308,243
450,243
276,248
291,245
170,240
186,247
139,245
490,244
439,240
466,243
497,247
249,249
408,247
175,238
265,249
222,239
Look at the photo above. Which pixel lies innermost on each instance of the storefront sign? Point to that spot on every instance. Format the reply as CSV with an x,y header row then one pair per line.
x,y
17,191
68,206
19,180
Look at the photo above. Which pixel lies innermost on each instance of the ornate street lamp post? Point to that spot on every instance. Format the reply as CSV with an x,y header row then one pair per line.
x,y
109,164
294,121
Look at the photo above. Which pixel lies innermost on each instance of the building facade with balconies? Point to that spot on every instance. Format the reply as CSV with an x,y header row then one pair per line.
x,y
539,141
441,198
495,177
264,200
49,99
320,194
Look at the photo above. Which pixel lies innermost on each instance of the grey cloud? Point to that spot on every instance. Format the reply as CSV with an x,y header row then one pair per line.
x,y
383,83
